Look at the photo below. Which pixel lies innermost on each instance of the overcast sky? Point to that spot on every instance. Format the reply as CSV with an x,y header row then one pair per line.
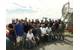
x,y
35,8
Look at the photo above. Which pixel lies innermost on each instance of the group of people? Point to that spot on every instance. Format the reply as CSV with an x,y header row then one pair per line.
x,y
31,33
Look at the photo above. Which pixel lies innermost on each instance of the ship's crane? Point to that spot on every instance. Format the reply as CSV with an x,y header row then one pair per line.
x,y
67,16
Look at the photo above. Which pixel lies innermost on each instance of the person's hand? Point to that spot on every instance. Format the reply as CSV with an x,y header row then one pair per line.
x,y
38,38
34,42
46,34
42,35
27,39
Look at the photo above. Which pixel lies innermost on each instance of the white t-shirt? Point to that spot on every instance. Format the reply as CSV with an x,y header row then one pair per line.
x,y
30,36
48,29
43,30
19,38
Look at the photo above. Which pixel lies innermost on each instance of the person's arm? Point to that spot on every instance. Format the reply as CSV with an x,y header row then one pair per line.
x,y
33,38
41,31
27,37
46,31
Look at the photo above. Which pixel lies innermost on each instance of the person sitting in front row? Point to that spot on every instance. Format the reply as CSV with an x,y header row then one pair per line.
x,y
30,39
44,35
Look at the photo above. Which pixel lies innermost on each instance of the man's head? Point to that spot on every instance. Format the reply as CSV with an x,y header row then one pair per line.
x,y
25,20
22,20
30,30
9,26
17,20
48,25
13,21
49,19
32,20
59,20
55,21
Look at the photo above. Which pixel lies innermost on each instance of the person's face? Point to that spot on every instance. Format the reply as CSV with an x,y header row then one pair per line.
x,y
30,30
48,25
41,25
17,20
20,21
33,20
41,20
13,21
25,18
29,20
55,21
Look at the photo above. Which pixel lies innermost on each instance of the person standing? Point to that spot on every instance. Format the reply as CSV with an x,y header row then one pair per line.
x,y
55,29
49,31
61,30
19,29
10,34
